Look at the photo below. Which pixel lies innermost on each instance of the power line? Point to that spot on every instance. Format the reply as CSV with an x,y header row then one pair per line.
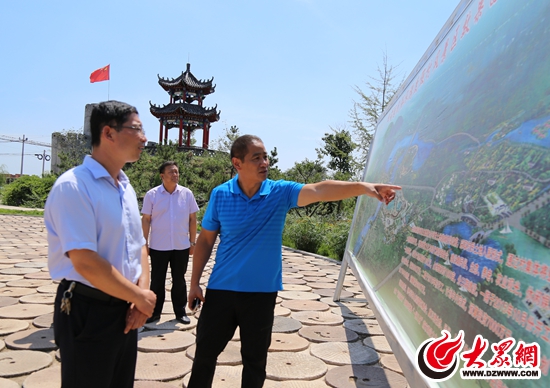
x,y
19,140
24,140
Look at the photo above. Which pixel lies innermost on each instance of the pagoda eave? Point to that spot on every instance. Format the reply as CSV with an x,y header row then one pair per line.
x,y
187,81
184,109
205,91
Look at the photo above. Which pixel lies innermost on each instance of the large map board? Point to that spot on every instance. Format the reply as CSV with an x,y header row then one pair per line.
x,y
466,244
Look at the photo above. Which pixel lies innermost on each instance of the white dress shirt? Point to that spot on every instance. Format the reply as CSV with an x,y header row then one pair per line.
x,y
169,217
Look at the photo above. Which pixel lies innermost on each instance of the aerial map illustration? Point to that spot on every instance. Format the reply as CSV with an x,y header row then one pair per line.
x,y
466,244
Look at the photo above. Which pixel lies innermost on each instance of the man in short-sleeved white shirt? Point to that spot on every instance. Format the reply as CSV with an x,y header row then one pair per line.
x,y
169,225
97,252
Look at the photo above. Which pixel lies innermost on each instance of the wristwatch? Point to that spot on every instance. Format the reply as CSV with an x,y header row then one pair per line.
x,y
193,244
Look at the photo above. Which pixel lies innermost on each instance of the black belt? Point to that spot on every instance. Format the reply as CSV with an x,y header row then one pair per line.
x,y
90,292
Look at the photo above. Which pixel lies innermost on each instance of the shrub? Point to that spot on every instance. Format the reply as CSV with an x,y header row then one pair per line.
x,y
28,191
336,239
305,233
322,235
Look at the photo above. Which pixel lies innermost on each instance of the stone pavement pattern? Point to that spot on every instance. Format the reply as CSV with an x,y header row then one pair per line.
x,y
316,342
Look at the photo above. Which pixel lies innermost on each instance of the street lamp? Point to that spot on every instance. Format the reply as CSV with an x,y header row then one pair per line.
x,y
43,157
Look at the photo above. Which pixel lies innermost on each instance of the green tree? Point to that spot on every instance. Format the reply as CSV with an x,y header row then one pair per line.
x,y
275,172
193,140
371,104
273,159
224,142
307,171
339,147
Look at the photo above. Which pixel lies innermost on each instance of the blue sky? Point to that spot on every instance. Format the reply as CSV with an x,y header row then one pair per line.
x,y
284,70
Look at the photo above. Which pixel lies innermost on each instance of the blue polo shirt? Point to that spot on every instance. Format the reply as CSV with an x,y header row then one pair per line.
x,y
249,255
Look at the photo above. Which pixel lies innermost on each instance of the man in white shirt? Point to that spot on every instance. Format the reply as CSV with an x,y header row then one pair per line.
x,y
169,225
97,252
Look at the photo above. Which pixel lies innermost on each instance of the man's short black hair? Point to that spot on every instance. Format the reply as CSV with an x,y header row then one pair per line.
x,y
166,164
239,149
113,113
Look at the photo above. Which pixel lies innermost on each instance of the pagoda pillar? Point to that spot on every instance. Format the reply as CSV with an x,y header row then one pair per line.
x,y
160,132
189,137
205,136
166,135
181,132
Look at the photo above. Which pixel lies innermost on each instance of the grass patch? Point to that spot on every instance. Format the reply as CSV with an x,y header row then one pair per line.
x,y
18,212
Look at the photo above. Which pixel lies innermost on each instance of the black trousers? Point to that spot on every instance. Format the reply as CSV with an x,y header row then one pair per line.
x,y
94,350
222,312
178,260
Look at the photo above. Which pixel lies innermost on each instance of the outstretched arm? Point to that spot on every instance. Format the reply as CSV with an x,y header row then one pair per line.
x,y
338,190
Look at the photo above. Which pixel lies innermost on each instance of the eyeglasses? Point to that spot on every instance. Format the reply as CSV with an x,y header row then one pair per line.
x,y
138,128
134,127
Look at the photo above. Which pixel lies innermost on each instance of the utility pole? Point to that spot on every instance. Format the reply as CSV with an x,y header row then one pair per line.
x,y
23,140
44,158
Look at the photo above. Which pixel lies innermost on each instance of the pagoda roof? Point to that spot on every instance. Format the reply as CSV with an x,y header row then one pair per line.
x,y
187,81
182,109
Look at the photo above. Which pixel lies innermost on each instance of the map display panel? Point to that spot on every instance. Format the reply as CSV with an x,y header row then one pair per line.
x,y
466,244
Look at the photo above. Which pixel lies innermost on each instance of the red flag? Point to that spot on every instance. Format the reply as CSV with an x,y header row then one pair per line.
x,y
100,75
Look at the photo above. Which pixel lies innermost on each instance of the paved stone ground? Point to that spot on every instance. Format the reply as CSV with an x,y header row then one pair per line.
x,y
316,342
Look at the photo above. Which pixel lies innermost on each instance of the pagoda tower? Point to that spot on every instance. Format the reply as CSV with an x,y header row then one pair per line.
x,y
182,112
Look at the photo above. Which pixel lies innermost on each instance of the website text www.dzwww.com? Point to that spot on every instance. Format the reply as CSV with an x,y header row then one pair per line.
x,y
518,374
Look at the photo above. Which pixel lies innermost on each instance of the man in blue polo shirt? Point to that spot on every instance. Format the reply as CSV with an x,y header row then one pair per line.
x,y
248,212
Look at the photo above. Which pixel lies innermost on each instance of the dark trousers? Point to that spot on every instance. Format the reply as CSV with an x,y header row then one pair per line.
x,y
222,312
178,260
94,350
